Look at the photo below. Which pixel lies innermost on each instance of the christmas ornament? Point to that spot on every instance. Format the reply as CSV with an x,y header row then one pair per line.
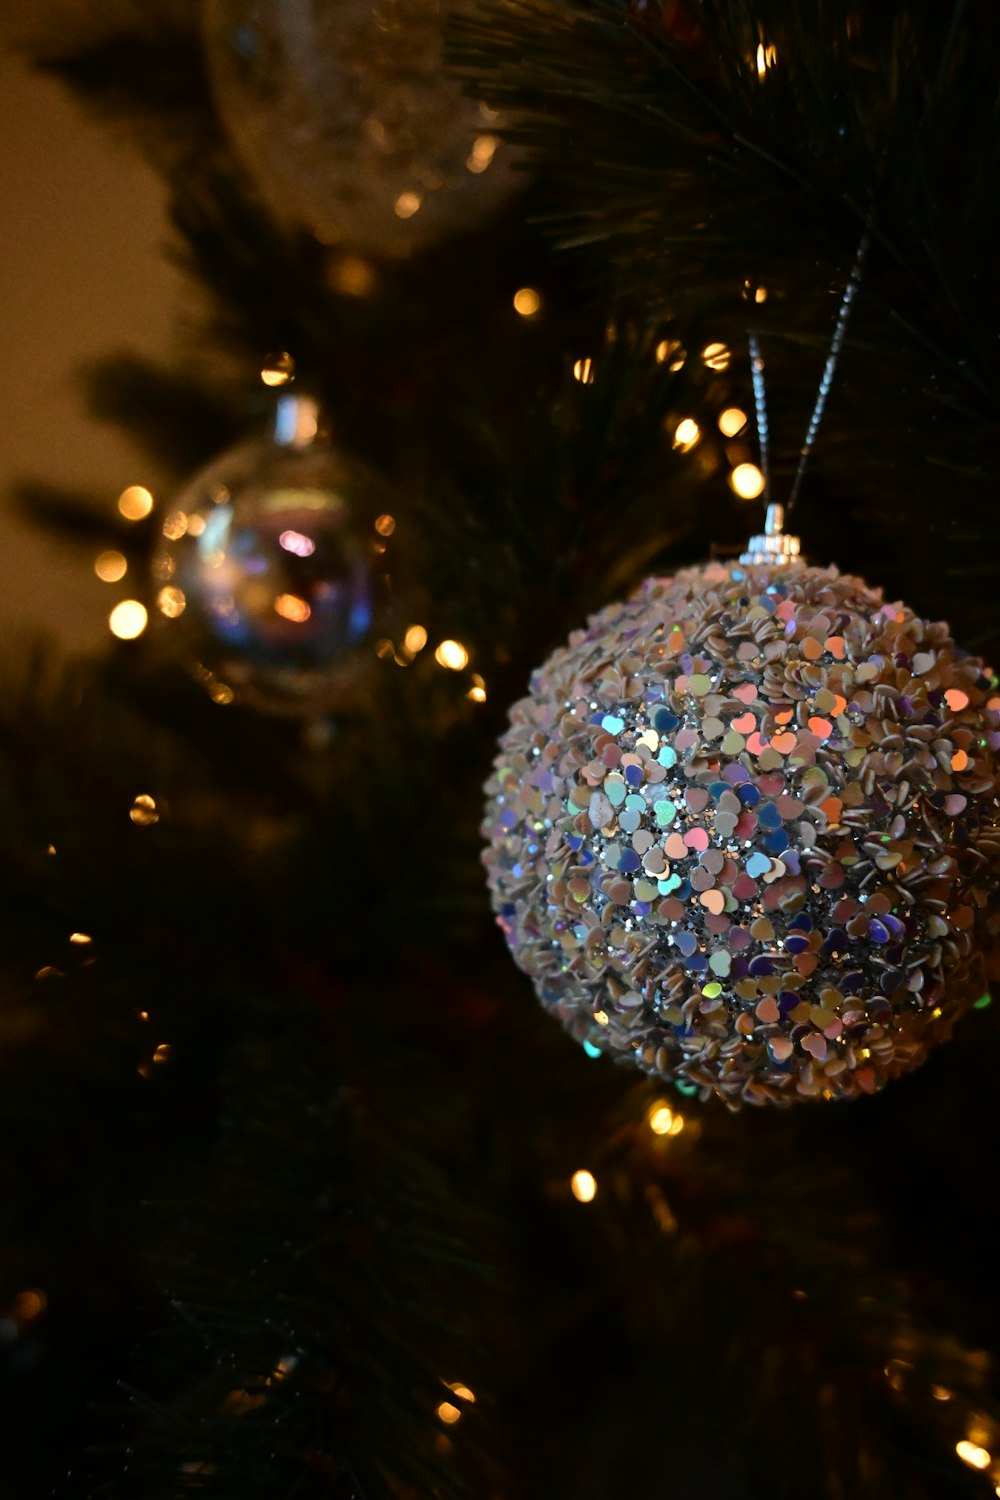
x,y
344,115
743,831
271,568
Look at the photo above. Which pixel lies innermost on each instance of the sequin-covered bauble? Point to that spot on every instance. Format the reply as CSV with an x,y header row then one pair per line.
x,y
271,568
744,833
345,118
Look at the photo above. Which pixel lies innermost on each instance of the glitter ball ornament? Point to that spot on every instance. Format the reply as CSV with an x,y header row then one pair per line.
x,y
347,121
743,833
271,567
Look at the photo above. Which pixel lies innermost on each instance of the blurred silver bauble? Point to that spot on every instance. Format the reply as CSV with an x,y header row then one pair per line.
x,y
272,566
343,114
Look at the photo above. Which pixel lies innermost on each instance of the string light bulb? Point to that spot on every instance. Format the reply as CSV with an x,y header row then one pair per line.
x,y
135,502
526,302
583,1185
747,481
128,619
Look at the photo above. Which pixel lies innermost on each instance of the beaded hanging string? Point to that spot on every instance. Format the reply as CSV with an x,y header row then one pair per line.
x,y
772,544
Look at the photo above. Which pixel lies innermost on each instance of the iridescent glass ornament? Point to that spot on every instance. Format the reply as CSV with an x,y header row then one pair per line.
x,y
271,568
344,115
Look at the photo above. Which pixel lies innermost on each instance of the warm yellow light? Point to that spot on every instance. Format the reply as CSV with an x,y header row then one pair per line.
x,y
135,503
766,58
747,481
940,1393
527,301
81,938
111,567
384,648
716,356
461,1391
291,607
278,369
584,1186
732,421
385,525
143,810
220,692
484,148
452,654
760,295
583,371
352,276
30,1304
128,619
162,1053
972,1454
477,691
407,204
661,1118
686,434
669,352
448,1413
415,639
171,602
195,525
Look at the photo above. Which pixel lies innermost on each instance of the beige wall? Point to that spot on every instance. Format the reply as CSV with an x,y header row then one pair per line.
x,y
81,273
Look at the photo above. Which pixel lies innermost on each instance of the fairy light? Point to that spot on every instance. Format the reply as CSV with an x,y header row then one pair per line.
x,y
747,481
766,58
732,421
484,148
415,639
81,939
144,812
671,353
352,276
716,356
30,1304
452,654
135,502
973,1455
407,204
583,1185
448,1413
162,1053
583,371
686,434
128,619
290,607
665,1121
278,369
526,301
477,692
385,525
111,566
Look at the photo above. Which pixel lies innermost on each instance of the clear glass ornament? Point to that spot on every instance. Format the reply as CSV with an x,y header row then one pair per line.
x,y
272,567
345,118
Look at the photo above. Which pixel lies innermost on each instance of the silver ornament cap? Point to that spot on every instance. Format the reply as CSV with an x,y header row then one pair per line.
x,y
775,545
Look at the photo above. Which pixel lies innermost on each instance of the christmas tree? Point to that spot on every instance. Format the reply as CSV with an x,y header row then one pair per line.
x,y
502,310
